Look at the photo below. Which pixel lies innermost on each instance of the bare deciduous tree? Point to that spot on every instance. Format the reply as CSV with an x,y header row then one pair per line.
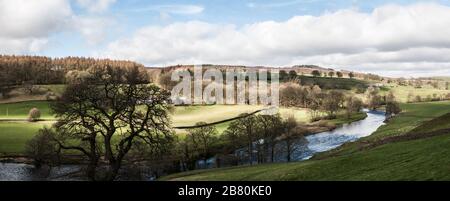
x,y
203,136
103,116
292,134
353,105
271,128
247,127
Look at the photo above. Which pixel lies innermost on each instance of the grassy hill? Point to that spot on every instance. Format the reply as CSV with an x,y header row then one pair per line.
x,y
419,159
402,92
333,83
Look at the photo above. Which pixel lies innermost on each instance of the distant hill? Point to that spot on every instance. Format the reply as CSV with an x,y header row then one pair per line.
x,y
299,69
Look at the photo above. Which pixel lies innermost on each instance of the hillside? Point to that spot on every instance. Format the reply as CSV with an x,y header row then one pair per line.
x,y
299,69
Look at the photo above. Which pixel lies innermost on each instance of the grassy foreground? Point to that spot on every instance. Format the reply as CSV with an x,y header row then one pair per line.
x,y
421,159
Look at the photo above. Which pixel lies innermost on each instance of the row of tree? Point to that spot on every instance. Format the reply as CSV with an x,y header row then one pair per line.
x,y
33,70
46,70
316,73
255,135
318,101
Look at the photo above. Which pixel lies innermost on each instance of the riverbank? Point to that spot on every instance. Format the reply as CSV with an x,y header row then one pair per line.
x,y
329,125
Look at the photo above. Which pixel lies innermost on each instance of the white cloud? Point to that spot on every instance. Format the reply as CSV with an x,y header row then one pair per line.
x,y
391,37
93,29
179,9
279,4
26,24
96,6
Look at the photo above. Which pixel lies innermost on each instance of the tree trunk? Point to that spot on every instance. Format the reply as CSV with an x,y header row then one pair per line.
x,y
272,152
250,153
205,160
113,171
91,169
288,149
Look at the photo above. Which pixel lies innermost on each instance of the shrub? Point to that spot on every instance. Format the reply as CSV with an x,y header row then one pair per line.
x,y
316,73
392,108
42,148
34,114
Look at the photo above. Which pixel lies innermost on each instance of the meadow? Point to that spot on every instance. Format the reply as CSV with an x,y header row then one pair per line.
x,y
14,135
402,92
20,110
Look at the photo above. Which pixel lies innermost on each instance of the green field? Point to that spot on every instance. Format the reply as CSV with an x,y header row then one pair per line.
x,y
14,135
413,115
421,159
189,115
20,110
402,92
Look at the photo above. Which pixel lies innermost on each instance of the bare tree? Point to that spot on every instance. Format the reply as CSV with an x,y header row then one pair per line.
x,y
374,99
187,153
292,134
103,116
203,136
42,148
332,103
392,106
316,73
351,75
247,127
292,74
331,74
271,128
353,105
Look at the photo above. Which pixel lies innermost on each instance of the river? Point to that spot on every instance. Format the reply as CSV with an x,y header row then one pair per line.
x,y
326,141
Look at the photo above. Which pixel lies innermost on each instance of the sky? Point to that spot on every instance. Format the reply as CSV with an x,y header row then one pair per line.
x,y
395,38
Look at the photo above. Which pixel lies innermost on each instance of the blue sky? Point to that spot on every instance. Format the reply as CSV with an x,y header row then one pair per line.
x,y
249,32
